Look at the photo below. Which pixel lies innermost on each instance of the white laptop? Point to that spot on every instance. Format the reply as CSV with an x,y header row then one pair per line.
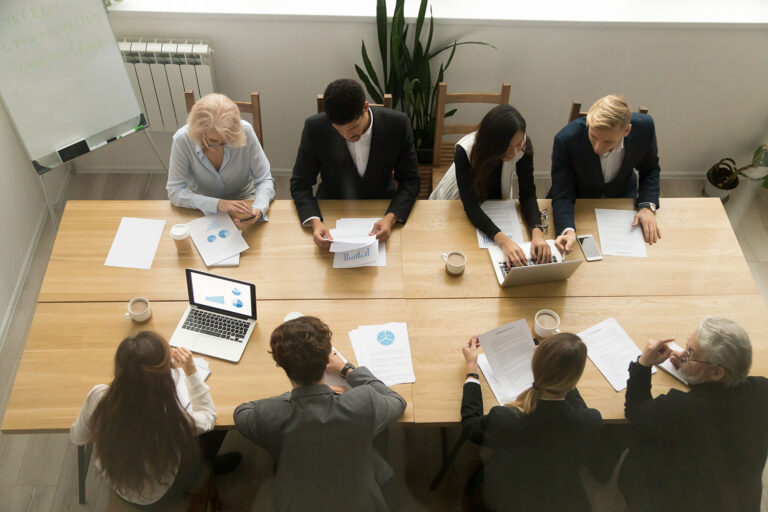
x,y
557,270
220,317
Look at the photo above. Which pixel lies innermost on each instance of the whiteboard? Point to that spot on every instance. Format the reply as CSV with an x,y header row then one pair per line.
x,y
62,79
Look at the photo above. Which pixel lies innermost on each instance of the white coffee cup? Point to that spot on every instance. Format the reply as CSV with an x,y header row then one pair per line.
x,y
138,309
454,262
546,323
180,235
292,316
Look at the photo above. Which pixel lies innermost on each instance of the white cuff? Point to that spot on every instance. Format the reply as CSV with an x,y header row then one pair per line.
x,y
472,379
307,221
567,230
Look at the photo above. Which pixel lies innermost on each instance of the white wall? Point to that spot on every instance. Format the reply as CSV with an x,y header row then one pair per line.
x,y
704,86
23,210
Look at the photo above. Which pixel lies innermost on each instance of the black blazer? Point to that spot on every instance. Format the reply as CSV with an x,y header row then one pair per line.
x,y
703,450
536,458
576,170
323,150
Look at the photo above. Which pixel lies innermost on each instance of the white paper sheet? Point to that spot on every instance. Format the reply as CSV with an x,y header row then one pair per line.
x,y
135,243
611,349
234,261
385,350
617,236
504,215
509,350
498,390
361,226
334,379
181,382
216,238
668,367
344,241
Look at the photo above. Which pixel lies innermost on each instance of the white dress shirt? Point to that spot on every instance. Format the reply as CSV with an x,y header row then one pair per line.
x,y
611,162
193,182
360,149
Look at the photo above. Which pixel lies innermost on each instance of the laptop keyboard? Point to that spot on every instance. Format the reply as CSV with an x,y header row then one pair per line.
x,y
221,326
505,269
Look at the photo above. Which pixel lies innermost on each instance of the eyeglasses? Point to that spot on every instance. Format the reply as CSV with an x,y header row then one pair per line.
x,y
213,146
687,357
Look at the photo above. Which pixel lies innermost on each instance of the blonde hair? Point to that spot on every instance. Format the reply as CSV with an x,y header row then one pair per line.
x,y
216,111
557,365
609,112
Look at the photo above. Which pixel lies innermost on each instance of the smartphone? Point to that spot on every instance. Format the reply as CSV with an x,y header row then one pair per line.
x,y
589,247
247,218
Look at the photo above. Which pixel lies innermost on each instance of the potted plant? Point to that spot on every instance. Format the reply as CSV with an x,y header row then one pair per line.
x,y
407,75
723,177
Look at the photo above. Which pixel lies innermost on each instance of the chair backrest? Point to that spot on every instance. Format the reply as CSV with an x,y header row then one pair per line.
x,y
252,107
443,152
576,112
387,103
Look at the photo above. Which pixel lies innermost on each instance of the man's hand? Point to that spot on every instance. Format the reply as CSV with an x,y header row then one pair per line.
x,y
512,252
566,241
471,349
677,358
540,250
656,352
383,227
182,358
234,208
255,213
335,363
321,234
647,220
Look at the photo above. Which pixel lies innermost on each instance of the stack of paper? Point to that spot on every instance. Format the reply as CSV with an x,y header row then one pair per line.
x,y
135,243
504,215
617,236
611,349
506,362
181,384
217,239
385,350
354,247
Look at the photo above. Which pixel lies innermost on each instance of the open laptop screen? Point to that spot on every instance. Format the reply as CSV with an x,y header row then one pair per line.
x,y
221,294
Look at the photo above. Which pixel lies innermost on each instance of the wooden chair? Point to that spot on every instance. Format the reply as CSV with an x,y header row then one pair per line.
x,y
443,152
576,112
387,103
252,107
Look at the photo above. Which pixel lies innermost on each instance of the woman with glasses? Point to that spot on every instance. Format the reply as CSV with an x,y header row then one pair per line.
x,y
483,168
217,163
540,441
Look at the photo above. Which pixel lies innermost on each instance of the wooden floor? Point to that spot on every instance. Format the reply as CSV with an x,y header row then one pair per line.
x,y
38,472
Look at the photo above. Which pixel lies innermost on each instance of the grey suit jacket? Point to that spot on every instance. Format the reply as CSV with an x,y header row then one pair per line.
x,y
321,443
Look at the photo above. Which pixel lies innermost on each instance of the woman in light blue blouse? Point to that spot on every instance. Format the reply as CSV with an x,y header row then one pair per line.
x,y
217,163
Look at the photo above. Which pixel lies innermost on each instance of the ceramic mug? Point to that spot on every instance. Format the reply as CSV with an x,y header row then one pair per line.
x,y
138,309
454,262
546,323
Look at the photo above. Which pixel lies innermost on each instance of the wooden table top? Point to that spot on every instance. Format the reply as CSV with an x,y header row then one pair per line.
x,y
71,348
282,259
698,255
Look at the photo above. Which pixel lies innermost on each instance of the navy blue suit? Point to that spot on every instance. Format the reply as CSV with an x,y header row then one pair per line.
x,y
576,170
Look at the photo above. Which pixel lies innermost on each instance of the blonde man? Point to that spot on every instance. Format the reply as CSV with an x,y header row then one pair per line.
x,y
217,163
597,157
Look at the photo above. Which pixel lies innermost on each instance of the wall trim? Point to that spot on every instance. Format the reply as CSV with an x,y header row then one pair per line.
x,y
10,312
143,169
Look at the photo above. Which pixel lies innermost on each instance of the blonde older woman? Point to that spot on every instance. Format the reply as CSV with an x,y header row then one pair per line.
x,y
217,163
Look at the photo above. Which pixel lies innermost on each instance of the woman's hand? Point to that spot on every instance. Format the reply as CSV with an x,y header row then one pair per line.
x,y
182,358
512,252
540,250
255,217
234,208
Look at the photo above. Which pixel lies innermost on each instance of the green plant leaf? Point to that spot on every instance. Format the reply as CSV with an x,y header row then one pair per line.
x,y
451,112
431,31
372,91
370,70
460,43
760,157
381,31
420,19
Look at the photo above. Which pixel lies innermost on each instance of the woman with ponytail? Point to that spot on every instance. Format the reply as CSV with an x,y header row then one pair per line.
x,y
144,441
541,440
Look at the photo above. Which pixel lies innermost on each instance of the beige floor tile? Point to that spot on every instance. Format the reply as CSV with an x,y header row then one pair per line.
x,y
43,460
32,499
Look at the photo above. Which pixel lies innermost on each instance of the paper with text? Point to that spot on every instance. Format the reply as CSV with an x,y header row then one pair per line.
x,y
504,215
135,243
617,236
385,350
509,350
376,256
498,390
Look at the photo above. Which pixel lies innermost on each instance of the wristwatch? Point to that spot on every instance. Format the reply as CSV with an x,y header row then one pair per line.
x,y
347,367
649,205
473,376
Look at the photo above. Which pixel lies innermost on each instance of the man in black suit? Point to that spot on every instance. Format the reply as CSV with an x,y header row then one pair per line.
x,y
596,157
355,148
703,450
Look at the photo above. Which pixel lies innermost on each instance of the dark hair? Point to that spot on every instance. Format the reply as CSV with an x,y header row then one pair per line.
x,y
493,136
139,428
343,101
301,347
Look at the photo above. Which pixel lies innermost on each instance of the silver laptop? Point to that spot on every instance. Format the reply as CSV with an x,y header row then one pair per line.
x,y
557,270
220,317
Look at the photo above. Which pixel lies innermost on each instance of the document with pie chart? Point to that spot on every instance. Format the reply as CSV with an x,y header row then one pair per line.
x,y
216,238
385,350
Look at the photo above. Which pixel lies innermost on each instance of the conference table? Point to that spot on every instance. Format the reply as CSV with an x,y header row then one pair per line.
x,y
696,270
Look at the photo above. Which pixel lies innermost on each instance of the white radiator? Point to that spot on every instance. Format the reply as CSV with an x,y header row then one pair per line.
x,y
161,70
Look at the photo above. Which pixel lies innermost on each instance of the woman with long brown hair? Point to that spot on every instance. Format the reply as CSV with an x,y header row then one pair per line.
x,y
144,440
541,440
483,168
